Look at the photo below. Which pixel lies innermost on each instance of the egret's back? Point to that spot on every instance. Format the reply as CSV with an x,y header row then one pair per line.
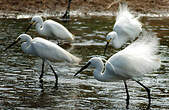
x,y
138,58
57,30
49,50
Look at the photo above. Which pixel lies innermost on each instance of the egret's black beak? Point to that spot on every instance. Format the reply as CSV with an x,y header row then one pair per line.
x,y
29,27
108,41
17,40
84,67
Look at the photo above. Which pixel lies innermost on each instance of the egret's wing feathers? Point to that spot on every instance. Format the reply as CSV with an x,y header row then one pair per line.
x,y
126,26
138,58
58,30
49,50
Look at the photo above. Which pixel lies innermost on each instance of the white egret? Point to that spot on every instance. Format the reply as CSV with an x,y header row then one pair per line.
x,y
130,63
50,28
127,27
46,50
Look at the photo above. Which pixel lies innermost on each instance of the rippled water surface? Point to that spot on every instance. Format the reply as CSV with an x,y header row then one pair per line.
x,y
19,73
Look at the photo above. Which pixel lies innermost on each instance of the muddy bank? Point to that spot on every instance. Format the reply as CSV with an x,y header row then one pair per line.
x,y
83,6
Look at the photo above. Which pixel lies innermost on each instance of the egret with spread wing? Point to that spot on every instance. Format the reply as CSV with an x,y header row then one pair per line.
x,y
127,27
46,50
138,58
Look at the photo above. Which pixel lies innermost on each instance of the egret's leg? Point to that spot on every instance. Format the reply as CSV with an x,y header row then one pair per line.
x,y
148,92
41,75
56,76
67,15
128,96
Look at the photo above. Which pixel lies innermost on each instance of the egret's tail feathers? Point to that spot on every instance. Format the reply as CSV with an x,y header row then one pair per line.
x,y
73,59
70,37
76,60
73,37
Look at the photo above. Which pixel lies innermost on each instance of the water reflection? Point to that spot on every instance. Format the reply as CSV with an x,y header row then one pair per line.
x,y
19,73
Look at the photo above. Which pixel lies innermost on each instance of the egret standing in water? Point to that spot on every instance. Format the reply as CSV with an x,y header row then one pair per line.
x,y
46,50
126,28
130,63
50,28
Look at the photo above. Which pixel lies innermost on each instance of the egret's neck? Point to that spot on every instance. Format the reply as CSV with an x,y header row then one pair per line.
x,y
39,27
118,40
98,72
26,45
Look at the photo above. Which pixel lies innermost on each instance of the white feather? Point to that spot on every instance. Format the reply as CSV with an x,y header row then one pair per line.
x,y
126,24
46,49
52,29
138,58
127,27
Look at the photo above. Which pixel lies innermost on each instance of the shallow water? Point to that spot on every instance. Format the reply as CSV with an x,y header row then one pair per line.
x,y
19,73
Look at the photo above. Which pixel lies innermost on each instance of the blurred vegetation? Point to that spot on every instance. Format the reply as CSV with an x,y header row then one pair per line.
x,y
143,6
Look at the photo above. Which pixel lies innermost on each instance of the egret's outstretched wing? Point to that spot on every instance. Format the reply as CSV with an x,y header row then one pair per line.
x,y
58,30
127,26
138,58
49,50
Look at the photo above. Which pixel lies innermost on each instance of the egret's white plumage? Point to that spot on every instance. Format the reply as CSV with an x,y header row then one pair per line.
x,y
46,49
52,29
135,60
127,27
138,58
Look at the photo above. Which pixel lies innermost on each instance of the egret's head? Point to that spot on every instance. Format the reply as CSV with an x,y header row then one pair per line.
x,y
93,62
34,21
110,36
23,37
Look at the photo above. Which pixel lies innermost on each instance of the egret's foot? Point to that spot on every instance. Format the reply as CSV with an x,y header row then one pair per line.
x,y
41,80
41,84
127,103
148,106
66,17
56,86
